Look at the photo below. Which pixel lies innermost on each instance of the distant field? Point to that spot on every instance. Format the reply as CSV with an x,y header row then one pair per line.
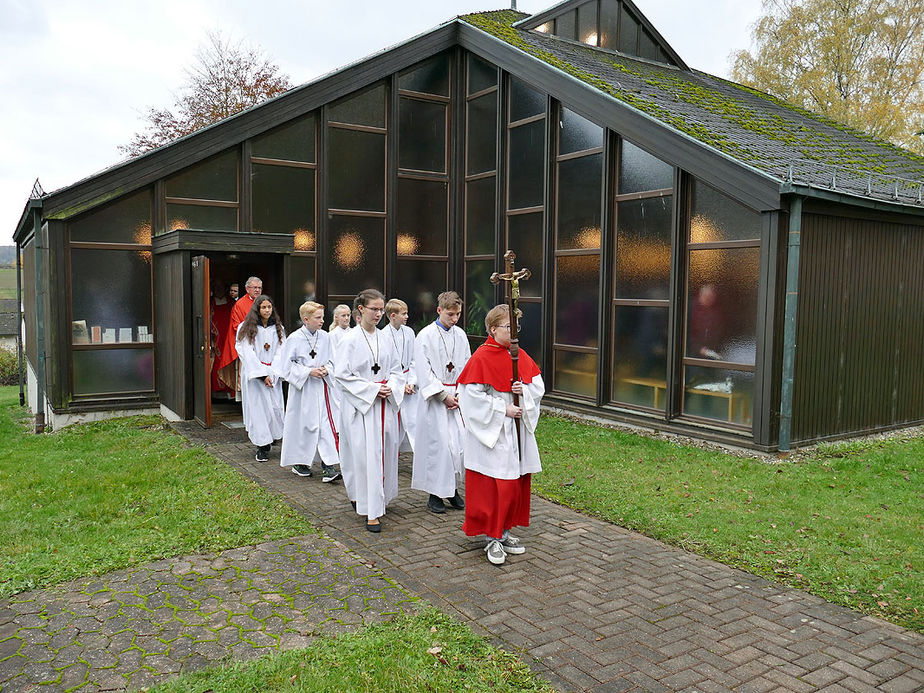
x,y
7,282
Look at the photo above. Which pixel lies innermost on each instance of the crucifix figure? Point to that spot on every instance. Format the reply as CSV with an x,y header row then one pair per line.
x,y
511,279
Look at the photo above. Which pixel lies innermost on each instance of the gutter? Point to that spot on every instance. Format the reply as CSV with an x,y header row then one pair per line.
x,y
19,349
39,320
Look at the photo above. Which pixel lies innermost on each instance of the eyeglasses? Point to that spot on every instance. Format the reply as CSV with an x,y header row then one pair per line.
x,y
504,327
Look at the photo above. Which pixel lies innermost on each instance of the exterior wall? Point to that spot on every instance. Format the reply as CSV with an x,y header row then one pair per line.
x,y
860,335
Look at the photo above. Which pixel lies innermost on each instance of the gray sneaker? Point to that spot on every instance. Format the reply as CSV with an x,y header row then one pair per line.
x,y
301,470
495,551
512,545
330,473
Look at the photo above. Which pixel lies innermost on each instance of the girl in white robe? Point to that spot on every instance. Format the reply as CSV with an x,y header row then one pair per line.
x,y
368,372
312,412
259,344
442,350
340,325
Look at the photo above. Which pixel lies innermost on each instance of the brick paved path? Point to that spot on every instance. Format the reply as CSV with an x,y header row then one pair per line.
x,y
592,606
140,625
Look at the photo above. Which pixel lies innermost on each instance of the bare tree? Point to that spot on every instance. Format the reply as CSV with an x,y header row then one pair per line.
x,y
860,62
226,78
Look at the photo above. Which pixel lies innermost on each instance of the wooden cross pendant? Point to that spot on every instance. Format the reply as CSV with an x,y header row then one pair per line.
x,y
449,366
376,368
312,353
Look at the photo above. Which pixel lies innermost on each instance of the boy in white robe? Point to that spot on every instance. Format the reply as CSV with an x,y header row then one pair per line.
x,y
442,350
259,344
402,337
312,412
368,372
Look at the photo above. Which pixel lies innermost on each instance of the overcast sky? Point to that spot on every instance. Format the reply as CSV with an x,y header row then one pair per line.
x,y
76,74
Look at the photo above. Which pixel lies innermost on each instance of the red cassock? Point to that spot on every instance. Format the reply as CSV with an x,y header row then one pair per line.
x,y
493,505
229,354
221,319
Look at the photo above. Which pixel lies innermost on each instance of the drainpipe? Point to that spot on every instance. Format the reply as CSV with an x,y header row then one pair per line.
x,y
19,355
39,320
789,322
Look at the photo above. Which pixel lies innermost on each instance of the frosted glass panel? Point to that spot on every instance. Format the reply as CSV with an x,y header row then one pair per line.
x,y
524,237
479,295
180,217
576,133
431,77
579,190
215,179
722,298
577,297
525,101
479,216
422,217
576,373
643,248
357,255
481,75
715,217
527,163
531,330
111,290
113,370
422,135
640,356
366,108
125,221
481,140
293,141
357,170
418,285
714,393
283,202
302,288
639,171
587,23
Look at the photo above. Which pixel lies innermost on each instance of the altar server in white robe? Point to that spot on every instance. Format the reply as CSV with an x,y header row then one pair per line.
x,y
368,371
312,412
498,467
260,338
340,325
442,350
402,337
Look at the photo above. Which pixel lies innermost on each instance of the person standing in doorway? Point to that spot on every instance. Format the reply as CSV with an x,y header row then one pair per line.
x,y
228,365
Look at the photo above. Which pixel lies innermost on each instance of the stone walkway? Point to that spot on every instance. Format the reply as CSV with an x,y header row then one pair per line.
x,y
590,606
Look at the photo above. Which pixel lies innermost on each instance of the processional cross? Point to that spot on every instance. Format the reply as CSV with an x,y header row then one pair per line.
x,y
511,279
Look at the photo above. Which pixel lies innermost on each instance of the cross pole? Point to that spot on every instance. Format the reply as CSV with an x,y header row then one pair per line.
x,y
511,279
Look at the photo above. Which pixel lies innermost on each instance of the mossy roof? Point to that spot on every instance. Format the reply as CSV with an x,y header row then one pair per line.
x,y
752,127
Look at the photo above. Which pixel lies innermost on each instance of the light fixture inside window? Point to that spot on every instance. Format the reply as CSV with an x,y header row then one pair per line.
x,y
590,39
544,28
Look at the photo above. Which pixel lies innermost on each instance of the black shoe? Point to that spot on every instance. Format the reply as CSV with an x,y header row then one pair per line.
x,y
457,502
353,503
301,470
330,473
435,505
375,529
262,453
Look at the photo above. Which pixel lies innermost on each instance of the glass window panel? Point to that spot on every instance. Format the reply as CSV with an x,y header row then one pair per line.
x,y
628,32
113,370
577,296
531,330
201,218
481,75
643,248
481,138
640,355
357,255
715,393
422,135
283,201
576,133
480,208
525,101
609,23
647,47
215,179
527,160
422,217
576,373
418,285
639,171
126,221
579,190
431,77
357,170
722,299
479,295
365,108
302,288
587,23
715,217
294,141
566,25
524,237
117,298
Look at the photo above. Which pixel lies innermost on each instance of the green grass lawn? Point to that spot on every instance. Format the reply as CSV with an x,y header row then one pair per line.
x,y
425,652
98,497
845,522
7,282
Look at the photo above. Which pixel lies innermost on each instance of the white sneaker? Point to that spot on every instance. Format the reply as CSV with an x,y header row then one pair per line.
x,y
512,545
495,551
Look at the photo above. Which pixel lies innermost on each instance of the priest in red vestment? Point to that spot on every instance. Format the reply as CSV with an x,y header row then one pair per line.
x,y
497,470
228,363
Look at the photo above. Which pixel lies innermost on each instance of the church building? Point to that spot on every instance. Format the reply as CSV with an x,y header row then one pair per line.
x,y
705,258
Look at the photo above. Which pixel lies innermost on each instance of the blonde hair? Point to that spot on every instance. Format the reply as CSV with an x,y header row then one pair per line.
x,y
449,299
341,307
307,308
497,315
395,305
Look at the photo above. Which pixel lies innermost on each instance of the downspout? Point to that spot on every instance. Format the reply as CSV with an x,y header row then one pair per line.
x,y
789,322
19,354
39,321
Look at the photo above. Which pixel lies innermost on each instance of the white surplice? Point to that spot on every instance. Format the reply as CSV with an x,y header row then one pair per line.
x,y
403,341
262,405
490,435
439,443
369,423
312,412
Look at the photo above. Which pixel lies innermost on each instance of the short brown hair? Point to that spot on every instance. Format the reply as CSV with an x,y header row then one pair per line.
x,y
449,299
307,308
395,305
